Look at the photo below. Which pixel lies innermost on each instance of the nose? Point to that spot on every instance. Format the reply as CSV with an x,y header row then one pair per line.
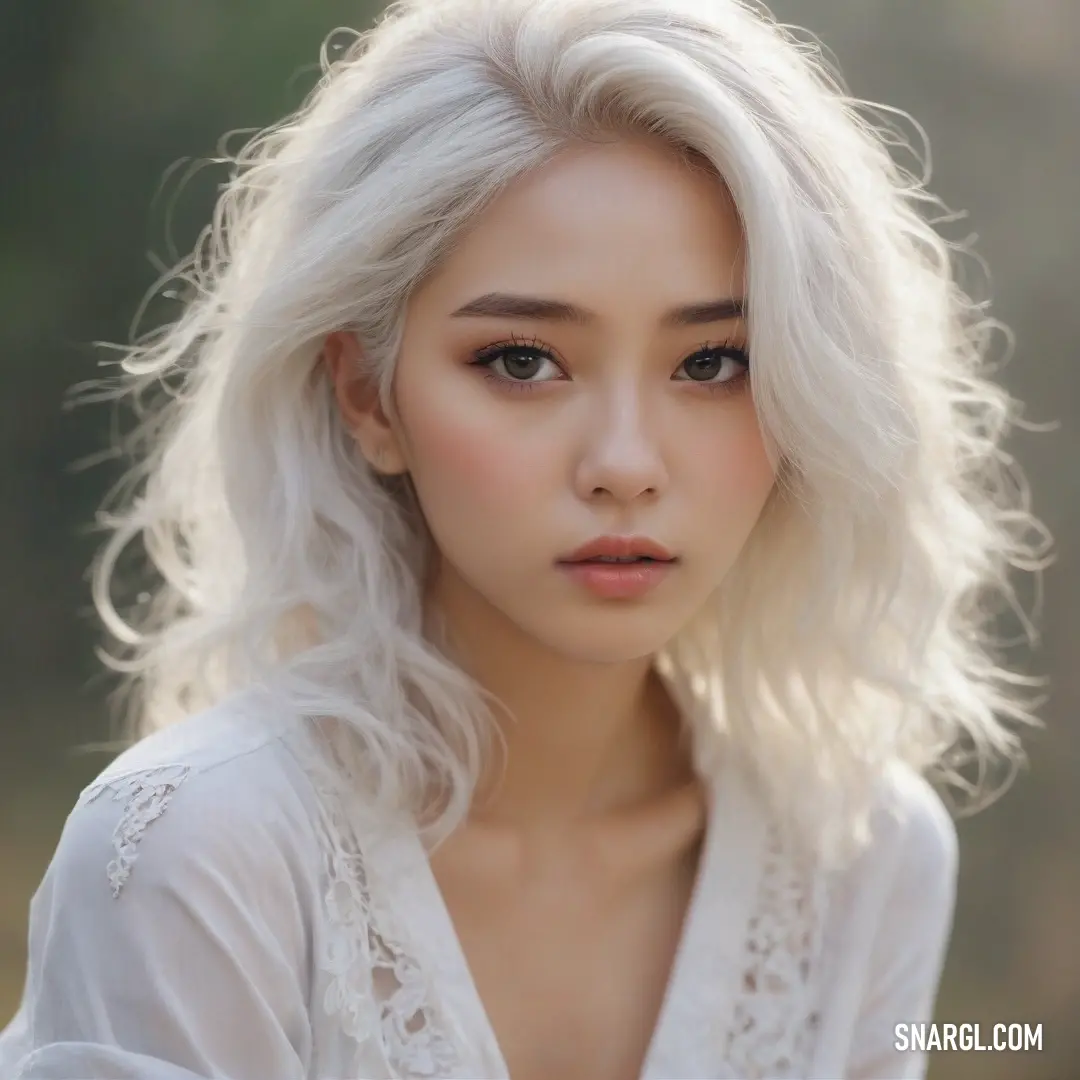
x,y
621,459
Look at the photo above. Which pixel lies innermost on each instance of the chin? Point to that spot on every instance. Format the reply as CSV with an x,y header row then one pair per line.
x,y
614,636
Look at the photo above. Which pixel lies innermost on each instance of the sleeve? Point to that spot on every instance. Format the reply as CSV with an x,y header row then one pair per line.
x,y
909,951
183,964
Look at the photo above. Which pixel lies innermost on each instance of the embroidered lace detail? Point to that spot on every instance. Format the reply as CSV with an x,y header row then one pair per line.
x,y
376,988
146,796
774,1023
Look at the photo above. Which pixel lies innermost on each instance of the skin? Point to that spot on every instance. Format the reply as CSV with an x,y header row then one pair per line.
x,y
596,819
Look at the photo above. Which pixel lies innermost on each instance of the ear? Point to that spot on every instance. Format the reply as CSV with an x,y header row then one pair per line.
x,y
357,397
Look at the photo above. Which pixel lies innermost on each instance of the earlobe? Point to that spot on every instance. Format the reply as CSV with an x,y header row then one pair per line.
x,y
357,398
385,460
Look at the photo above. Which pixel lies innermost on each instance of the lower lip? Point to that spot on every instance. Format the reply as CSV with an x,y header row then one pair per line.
x,y
618,581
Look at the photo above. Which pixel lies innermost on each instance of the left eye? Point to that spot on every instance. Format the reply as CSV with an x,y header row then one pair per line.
x,y
706,364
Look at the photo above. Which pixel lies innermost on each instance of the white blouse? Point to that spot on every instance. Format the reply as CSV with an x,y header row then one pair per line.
x,y
220,906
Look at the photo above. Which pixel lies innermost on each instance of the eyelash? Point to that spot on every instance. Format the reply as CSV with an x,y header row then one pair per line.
x,y
487,356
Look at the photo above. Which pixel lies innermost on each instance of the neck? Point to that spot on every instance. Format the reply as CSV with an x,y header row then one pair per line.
x,y
582,740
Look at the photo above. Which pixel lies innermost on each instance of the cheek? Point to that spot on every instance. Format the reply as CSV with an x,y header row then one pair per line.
x,y
464,455
752,472
738,468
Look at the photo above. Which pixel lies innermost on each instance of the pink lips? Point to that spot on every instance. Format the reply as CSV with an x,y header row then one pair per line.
x,y
619,581
619,547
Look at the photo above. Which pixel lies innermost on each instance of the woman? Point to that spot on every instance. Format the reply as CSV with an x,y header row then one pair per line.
x,y
573,500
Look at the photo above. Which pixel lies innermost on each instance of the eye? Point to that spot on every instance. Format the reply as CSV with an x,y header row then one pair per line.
x,y
715,365
517,364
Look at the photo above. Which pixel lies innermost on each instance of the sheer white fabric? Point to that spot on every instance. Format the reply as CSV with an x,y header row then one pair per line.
x,y
221,906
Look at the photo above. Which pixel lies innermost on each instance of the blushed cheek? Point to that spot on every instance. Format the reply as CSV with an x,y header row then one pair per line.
x,y
751,469
470,461
745,475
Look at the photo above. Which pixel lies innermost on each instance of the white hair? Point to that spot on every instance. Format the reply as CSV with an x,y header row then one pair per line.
x,y
853,630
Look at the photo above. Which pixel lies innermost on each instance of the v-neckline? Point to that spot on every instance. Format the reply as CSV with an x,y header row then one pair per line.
x,y
687,1039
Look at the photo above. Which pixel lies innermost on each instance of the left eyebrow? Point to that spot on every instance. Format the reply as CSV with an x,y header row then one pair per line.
x,y
512,306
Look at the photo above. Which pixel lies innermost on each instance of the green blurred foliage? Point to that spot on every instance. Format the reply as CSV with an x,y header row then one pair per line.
x,y
103,109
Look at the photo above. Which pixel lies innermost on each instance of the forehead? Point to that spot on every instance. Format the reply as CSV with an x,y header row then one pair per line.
x,y
629,219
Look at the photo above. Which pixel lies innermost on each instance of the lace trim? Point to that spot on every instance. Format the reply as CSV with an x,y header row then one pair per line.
x,y
774,1024
146,796
379,990
376,987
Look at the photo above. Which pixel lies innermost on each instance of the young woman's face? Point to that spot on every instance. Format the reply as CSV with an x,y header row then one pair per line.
x,y
528,434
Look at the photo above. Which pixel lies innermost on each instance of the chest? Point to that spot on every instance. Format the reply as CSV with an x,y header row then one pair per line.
x,y
572,977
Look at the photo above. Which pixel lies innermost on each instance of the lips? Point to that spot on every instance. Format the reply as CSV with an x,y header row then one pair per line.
x,y
619,568
616,550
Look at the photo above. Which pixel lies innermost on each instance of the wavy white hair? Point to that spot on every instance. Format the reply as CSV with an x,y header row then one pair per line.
x,y
854,628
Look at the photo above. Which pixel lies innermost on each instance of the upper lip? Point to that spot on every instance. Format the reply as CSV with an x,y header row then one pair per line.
x,y
619,547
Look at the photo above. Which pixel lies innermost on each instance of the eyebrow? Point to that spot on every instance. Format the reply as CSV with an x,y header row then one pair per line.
x,y
512,306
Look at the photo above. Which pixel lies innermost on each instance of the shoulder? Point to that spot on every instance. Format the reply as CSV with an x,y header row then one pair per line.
x,y
219,788
178,918
909,864
241,724
912,829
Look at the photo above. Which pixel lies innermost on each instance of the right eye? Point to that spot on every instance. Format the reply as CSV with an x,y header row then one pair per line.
x,y
517,363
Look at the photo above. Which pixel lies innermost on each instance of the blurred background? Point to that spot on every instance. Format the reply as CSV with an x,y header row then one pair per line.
x,y
103,108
